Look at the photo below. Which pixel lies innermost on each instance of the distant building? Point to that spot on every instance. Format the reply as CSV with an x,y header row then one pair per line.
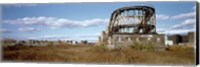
x,y
191,37
84,42
184,39
168,42
180,39
175,38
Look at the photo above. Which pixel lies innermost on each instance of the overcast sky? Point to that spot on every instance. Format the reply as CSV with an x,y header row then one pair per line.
x,y
85,21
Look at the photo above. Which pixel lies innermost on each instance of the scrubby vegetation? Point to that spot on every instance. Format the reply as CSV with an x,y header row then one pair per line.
x,y
139,46
98,54
99,49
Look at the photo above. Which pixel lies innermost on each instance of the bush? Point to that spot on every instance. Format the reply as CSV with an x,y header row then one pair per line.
x,y
15,47
99,48
139,46
149,46
50,44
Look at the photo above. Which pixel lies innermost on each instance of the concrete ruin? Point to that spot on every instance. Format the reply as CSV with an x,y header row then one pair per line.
x,y
130,25
178,39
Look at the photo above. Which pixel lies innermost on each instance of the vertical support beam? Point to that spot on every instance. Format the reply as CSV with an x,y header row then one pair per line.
x,y
127,20
117,21
134,17
118,18
154,23
143,23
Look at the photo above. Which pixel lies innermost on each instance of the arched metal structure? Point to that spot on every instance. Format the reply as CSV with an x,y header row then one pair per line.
x,y
133,20
131,25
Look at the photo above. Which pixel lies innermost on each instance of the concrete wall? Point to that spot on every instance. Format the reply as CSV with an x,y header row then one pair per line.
x,y
168,42
191,37
103,39
124,40
184,39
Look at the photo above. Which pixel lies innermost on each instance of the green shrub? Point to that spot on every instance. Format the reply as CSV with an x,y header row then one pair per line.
x,y
99,48
50,44
149,46
139,46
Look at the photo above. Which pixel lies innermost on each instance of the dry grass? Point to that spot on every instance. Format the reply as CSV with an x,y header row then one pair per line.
x,y
98,54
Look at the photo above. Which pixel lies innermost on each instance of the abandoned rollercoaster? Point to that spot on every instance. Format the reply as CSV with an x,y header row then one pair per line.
x,y
133,24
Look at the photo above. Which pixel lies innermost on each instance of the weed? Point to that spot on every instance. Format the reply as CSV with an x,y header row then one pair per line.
x,y
99,54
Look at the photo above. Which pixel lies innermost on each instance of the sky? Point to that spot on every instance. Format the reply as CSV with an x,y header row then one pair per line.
x,y
86,21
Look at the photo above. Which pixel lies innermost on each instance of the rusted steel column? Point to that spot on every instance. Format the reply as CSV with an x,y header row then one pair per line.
x,y
154,23
143,22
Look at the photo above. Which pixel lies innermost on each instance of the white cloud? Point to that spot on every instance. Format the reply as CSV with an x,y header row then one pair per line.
x,y
194,7
179,31
89,37
95,35
160,29
50,37
59,37
186,26
79,37
5,31
20,5
175,31
184,15
57,22
187,22
162,17
178,16
28,29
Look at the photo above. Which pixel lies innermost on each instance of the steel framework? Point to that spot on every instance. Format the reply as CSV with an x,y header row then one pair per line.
x,y
133,20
